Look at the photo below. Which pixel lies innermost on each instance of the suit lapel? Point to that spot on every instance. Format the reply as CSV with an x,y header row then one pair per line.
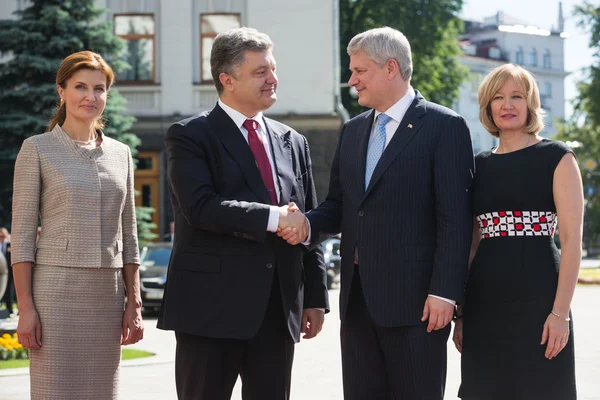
x,y
364,132
236,145
408,128
281,148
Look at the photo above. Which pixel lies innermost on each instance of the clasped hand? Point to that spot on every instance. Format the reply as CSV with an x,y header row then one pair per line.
x,y
293,225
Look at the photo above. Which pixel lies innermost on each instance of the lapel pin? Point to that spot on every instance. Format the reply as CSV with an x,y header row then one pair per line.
x,y
409,126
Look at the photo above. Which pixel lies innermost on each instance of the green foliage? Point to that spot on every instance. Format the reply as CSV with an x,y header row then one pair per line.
x,y
584,126
431,27
144,216
36,42
589,90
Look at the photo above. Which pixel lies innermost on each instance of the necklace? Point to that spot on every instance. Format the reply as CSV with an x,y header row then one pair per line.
x,y
85,142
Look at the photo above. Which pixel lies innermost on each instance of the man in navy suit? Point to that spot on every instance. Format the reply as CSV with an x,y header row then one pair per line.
x,y
399,193
238,296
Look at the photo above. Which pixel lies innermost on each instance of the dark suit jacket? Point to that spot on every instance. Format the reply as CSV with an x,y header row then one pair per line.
x,y
223,260
412,226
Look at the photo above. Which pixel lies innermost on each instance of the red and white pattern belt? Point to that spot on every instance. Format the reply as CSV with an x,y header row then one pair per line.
x,y
517,223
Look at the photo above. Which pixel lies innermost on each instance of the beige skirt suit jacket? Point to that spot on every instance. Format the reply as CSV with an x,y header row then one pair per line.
x,y
84,200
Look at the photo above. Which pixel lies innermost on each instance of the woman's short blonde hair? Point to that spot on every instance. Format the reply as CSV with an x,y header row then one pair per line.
x,y
494,81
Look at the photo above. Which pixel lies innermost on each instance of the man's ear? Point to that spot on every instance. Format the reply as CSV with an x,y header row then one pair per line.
x,y
226,80
392,67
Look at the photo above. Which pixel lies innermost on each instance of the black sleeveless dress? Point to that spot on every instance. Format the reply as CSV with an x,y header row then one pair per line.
x,y
512,281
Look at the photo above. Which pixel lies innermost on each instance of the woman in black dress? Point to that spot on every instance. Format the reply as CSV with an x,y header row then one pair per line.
x,y
514,328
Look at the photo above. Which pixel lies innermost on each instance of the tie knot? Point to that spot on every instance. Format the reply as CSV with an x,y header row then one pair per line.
x,y
383,119
250,125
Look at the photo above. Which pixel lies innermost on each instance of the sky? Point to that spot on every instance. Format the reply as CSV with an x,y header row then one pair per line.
x,y
544,14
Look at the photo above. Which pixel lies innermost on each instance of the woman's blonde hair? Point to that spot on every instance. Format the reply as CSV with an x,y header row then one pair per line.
x,y
494,81
68,67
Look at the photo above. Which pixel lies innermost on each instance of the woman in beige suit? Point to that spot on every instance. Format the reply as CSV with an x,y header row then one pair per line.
x,y
71,286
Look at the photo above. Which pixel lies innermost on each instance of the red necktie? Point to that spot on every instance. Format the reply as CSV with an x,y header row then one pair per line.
x,y
260,155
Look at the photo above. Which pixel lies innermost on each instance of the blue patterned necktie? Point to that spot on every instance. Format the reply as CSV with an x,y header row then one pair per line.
x,y
376,147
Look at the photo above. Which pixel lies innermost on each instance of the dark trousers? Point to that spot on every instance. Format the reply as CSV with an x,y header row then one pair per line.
x,y
9,296
207,368
390,363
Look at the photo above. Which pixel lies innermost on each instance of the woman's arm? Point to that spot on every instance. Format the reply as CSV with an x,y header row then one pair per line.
x,y
29,328
25,212
568,197
133,327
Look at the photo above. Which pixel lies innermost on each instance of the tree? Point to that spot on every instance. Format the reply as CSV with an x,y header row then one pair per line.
x,y
582,129
431,27
35,43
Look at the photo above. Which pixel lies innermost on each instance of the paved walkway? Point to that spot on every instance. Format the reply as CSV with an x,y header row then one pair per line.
x,y
317,366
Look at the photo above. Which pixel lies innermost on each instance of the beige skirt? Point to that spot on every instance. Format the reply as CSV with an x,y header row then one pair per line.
x,y
81,311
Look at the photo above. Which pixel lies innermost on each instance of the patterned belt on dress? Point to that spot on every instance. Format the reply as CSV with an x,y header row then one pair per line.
x,y
517,223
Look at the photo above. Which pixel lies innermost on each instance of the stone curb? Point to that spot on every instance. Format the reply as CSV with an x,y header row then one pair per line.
x,y
138,362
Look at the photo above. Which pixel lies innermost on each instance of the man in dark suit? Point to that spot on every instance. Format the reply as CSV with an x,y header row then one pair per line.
x,y
237,295
399,193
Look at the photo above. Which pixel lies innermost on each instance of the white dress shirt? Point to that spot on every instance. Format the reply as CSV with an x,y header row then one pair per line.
x,y
396,113
239,119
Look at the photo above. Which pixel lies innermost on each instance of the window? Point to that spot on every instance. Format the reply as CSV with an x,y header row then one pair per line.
x,y
210,26
138,32
533,57
519,56
548,89
547,59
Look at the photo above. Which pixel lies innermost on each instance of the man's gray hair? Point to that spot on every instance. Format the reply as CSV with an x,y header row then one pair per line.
x,y
383,44
229,48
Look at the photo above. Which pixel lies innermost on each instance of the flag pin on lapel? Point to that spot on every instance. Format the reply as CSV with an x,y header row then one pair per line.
x,y
409,126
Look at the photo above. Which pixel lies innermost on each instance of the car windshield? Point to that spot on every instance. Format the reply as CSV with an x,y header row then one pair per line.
x,y
151,257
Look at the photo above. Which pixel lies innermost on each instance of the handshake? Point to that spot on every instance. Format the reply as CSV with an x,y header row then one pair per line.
x,y
293,225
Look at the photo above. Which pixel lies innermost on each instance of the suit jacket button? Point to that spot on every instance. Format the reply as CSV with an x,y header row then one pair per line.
x,y
269,265
361,213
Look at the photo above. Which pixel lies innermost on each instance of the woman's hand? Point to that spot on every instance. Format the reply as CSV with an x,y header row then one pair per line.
x,y
556,334
133,327
457,335
29,328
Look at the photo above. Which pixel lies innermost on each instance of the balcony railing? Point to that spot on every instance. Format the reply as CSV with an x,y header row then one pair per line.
x,y
145,101
205,97
142,100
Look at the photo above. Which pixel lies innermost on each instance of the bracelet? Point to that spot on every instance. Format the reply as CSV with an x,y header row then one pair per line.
x,y
558,316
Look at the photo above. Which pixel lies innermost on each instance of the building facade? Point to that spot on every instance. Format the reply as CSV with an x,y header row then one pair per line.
x,y
500,39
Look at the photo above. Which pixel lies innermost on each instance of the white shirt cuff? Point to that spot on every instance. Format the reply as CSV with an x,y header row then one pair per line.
x,y
273,219
307,241
453,302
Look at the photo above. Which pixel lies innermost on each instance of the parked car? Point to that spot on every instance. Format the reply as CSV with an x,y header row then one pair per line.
x,y
154,261
333,260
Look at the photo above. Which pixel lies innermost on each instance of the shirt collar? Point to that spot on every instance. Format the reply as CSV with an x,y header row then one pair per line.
x,y
397,111
239,118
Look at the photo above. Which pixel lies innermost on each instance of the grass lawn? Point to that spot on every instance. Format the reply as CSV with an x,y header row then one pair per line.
x,y
590,274
126,354
14,364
